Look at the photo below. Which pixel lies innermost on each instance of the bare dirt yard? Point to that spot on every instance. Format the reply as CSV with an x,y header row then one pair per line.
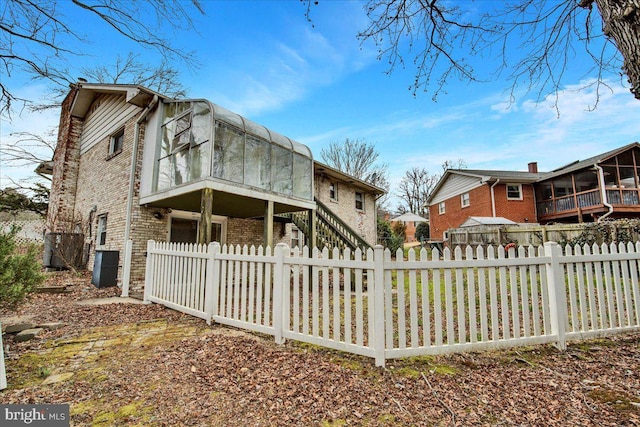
x,y
144,365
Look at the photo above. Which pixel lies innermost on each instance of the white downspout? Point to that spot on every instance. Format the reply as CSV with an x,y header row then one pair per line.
x,y
132,175
603,192
493,197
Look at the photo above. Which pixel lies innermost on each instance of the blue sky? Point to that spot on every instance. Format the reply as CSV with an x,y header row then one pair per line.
x,y
317,84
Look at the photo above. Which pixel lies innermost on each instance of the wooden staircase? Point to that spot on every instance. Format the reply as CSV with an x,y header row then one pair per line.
x,y
331,231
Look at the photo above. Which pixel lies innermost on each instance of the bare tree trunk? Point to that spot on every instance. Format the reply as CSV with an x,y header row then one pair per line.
x,y
621,22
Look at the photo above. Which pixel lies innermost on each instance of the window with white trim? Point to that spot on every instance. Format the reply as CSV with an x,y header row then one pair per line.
x,y
514,191
441,208
297,238
465,200
101,236
333,191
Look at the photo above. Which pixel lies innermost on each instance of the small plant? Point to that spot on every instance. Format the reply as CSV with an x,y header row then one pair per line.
x,y
20,274
44,372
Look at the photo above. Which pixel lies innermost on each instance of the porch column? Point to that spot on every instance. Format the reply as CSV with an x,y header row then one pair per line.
x,y
311,237
206,211
268,224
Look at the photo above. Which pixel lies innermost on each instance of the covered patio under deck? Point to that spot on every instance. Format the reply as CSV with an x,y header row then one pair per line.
x,y
200,157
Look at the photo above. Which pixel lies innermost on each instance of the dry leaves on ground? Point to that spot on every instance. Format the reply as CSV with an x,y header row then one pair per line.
x,y
187,373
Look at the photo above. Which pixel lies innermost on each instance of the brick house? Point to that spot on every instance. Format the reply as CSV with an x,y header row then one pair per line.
x,y
464,193
410,222
132,165
603,186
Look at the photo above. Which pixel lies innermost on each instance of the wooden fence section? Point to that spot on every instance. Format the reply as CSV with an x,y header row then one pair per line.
x,y
370,304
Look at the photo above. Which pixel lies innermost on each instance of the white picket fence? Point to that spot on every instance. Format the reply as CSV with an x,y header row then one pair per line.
x,y
372,305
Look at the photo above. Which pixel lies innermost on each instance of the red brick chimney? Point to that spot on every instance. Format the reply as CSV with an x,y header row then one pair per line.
x,y
533,167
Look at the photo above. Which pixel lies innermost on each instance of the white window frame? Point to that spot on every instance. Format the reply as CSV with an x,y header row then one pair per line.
x,y
101,235
215,219
445,235
333,186
299,237
442,208
465,202
113,141
520,197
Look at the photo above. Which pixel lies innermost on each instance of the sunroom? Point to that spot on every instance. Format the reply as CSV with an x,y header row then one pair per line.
x,y
200,157
603,186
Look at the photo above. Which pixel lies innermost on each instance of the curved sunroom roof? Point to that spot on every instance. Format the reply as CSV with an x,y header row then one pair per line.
x,y
221,113
199,140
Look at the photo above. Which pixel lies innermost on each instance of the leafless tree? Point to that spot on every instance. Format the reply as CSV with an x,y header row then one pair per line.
x,y
359,159
453,164
27,149
35,36
417,184
163,79
414,188
533,42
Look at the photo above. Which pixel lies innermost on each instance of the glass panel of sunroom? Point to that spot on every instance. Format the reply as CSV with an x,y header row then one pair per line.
x,y
199,163
282,170
181,166
164,173
257,163
228,157
302,168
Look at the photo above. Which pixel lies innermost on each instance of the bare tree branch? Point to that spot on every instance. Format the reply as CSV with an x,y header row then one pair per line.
x,y
35,35
535,42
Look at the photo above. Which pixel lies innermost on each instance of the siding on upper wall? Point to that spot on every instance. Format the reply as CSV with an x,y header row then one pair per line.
x,y
107,114
455,185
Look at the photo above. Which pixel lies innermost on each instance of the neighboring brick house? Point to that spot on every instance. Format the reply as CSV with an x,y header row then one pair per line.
x,y
410,222
131,164
603,186
463,193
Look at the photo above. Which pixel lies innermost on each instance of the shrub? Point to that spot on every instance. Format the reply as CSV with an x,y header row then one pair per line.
x,y
422,231
387,238
20,274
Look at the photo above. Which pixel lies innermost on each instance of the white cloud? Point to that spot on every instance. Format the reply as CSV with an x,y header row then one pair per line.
x,y
281,71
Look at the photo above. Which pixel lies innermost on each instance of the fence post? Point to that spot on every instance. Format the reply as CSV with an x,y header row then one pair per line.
x,y
278,294
378,306
212,282
148,273
126,269
557,293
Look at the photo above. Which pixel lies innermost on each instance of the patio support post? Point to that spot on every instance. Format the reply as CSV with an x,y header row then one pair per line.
x,y
312,229
268,224
206,212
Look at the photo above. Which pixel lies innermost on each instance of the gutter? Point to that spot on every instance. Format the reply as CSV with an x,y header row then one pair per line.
x,y
603,192
132,179
134,161
493,197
